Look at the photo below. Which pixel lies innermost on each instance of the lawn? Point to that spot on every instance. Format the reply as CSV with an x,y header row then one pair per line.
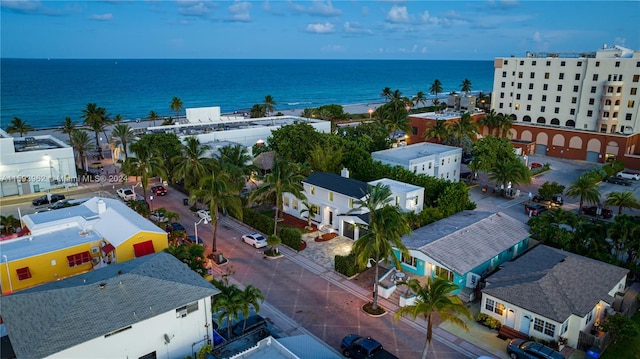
x,y
627,349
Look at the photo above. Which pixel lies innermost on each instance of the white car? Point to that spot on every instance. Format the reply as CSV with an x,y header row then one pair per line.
x,y
629,175
126,194
204,214
256,239
158,217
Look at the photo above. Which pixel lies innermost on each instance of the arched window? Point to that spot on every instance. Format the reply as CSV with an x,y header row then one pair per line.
x,y
570,123
541,120
555,121
617,102
526,118
607,103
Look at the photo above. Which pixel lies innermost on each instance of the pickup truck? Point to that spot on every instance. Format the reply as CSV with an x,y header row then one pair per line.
x,y
356,346
553,201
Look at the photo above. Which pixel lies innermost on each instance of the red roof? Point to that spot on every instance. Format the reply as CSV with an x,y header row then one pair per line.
x,y
108,248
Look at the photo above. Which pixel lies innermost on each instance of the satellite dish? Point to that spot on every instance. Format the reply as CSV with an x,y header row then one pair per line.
x,y
167,339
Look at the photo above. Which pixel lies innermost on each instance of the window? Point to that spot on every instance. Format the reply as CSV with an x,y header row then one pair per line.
x,y
627,117
556,110
606,114
549,329
577,77
574,100
313,190
533,63
592,101
528,107
542,108
572,111
350,202
597,63
575,88
517,96
544,98
502,94
143,249
330,196
503,84
415,169
548,63
530,86
429,165
563,63
589,113
564,328
545,87
595,77
23,273
634,90
499,308
638,64
519,75
546,75
506,62
618,89
589,317
538,325
412,261
442,164
557,98
636,78
501,105
593,89
504,74
532,75
559,87
561,76
529,97
78,259
285,201
397,202
444,273
295,204
617,63
579,63
414,130
186,309
631,103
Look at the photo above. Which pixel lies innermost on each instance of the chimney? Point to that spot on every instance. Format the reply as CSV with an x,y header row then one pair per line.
x,y
344,173
102,206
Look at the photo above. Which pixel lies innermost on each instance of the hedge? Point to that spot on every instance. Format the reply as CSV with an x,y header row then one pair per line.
x,y
346,265
290,237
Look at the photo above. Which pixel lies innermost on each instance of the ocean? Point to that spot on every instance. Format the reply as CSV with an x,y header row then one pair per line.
x,y
43,92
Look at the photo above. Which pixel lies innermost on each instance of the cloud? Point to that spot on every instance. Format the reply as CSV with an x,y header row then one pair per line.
x,y
240,11
356,28
193,8
21,6
537,37
318,28
620,41
101,17
317,8
398,14
333,48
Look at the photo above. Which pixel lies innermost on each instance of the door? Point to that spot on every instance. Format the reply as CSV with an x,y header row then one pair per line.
x,y
525,323
511,318
592,156
348,230
331,218
541,149
9,188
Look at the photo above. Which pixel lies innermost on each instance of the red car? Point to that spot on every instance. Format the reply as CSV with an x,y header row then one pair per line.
x,y
536,165
159,190
593,211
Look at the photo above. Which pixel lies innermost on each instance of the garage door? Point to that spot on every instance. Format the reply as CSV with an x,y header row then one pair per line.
x,y
592,156
348,230
9,188
541,149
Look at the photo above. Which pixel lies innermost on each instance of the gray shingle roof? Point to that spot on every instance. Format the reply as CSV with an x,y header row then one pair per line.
x,y
467,239
554,283
55,316
336,183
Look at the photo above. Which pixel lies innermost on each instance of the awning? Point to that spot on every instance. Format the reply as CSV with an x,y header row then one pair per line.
x,y
108,248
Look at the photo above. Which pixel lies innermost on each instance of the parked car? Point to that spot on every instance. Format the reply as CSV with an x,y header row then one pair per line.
x,y
536,164
356,346
593,211
466,159
534,209
175,226
549,201
192,239
139,199
126,194
204,214
159,190
45,199
256,239
629,175
68,203
619,180
527,349
159,217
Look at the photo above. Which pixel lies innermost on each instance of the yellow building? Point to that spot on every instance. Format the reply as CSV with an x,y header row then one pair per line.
x,y
73,240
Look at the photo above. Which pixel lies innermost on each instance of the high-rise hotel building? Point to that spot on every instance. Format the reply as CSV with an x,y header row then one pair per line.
x,y
573,105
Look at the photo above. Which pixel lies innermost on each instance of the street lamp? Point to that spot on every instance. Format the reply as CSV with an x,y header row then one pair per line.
x,y
151,205
195,227
370,113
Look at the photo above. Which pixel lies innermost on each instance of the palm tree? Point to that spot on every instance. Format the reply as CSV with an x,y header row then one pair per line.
x,y
284,177
228,303
326,157
117,119
9,223
436,88
419,99
504,124
147,163
81,144
96,118
177,106
386,93
464,127
309,210
384,232
258,111
586,188
192,164
439,131
436,296
490,120
269,104
625,199
123,135
465,86
237,162
216,190
251,297
515,172
19,126
67,127
153,116
624,232
180,252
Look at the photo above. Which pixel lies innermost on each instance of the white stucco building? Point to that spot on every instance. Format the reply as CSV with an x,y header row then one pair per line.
x,y
432,159
35,164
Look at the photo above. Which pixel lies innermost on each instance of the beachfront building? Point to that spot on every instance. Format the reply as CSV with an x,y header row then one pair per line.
x,y
151,307
35,164
333,198
431,159
56,244
549,293
583,106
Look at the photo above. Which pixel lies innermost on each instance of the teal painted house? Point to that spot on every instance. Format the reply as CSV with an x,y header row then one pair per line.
x,y
464,248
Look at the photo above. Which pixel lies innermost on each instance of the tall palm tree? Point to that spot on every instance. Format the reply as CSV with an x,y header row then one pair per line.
x,y
326,158
96,118
419,99
67,127
436,88
117,119
192,164
624,232
439,131
384,232
258,111
153,116
81,144
625,199
386,93
177,106
217,191
228,303
515,172
309,210
123,135
586,188
465,127
490,120
435,297
465,86
284,177
19,126
146,164
237,162
269,104
504,124
251,297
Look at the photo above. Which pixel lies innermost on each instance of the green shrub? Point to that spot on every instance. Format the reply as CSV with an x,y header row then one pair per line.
x,y
291,237
256,220
346,265
481,317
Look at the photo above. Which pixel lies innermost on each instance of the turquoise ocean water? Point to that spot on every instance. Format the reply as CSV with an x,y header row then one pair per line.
x,y
43,92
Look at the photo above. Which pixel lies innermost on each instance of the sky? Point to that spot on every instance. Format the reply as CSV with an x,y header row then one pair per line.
x,y
402,30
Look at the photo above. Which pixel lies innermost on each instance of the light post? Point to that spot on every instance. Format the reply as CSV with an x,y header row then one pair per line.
x,y
370,113
195,227
151,204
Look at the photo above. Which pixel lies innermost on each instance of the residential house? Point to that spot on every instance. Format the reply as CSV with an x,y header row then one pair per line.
x,y
548,293
432,159
69,241
151,307
464,248
333,201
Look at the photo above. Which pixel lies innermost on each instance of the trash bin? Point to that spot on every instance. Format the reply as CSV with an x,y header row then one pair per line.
x,y
593,353
185,201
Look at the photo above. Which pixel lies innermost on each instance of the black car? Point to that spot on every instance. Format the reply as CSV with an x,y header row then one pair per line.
x,y
593,211
534,209
175,226
159,190
619,180
526,349
44,200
